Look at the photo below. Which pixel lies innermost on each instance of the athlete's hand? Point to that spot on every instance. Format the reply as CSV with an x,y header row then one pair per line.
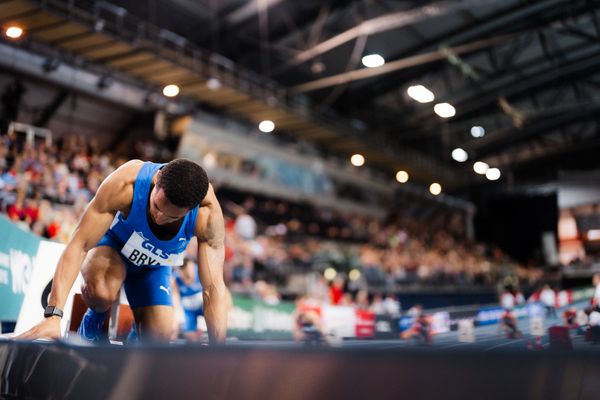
x,y
49,328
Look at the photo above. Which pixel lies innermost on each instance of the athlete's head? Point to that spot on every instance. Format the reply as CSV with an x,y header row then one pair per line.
x,y
180,186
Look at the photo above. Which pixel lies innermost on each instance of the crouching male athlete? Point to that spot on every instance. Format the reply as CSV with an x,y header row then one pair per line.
x,y
132,233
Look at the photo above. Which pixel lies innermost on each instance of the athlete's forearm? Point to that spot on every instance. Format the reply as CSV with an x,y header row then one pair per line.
x,y
215,311
66,272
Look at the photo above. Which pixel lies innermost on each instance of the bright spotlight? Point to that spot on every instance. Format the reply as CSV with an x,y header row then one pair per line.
x,y
354,275
14,32
402,176
444,110
459,155
435,188
213,84
329,274
373,60
477,131
420,93
171,90
209,160
493,174
266,126
357,160
480,167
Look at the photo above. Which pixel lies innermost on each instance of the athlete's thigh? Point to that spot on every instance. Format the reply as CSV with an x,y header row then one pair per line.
x,y
149,293
104,267
154,322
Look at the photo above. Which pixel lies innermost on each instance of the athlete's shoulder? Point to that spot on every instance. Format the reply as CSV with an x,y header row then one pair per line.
x,y
210,201
130,169
116,190
209,223
125,174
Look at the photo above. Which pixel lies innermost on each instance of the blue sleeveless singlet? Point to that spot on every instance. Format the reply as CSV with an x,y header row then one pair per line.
x,y
138,244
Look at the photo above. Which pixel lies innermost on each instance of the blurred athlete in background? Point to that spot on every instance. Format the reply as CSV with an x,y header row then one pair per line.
x,y
187,292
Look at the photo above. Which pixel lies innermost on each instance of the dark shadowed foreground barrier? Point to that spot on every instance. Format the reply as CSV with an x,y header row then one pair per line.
x,y
42,370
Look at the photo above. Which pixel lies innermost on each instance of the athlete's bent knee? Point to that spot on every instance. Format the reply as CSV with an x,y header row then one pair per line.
x,y
99,295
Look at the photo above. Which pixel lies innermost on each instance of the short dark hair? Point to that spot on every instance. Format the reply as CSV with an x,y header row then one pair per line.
x,y
184,182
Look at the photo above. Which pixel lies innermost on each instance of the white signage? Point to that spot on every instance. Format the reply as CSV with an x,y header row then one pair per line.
x,y
339,321
32,310
537,326
466,331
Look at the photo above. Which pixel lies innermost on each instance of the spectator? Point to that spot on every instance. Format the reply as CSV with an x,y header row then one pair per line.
x,y
507,299
392,305
45,188
596,298
548,298
336,290
377,305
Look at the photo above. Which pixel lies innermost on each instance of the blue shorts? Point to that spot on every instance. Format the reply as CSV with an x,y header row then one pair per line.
x,y
144,286
191,319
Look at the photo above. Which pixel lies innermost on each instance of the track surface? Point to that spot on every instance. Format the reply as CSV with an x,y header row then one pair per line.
x,y
487,338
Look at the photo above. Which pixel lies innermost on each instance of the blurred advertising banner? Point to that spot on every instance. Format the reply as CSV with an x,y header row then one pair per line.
x,y
36,299
492,315
488,316
365,324
440,322
253,319
339,320
18,249
583,294
386,327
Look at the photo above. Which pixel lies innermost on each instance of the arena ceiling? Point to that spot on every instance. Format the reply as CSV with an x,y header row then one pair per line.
x,y
524,70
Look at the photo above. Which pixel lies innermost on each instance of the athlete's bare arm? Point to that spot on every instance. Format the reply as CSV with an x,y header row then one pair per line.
x,y
114,194
210,231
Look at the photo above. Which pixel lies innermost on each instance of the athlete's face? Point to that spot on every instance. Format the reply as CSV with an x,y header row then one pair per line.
x,y
162,211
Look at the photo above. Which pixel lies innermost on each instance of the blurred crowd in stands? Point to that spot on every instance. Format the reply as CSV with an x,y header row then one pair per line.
x,y
45,188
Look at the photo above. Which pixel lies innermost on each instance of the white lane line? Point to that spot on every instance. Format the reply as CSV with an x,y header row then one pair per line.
x,y
505,344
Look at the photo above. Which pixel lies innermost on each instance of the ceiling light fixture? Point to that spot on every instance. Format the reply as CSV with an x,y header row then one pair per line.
x,y
493,174
402,176
477,131
373,61
444,110
459,155
420,93
357,160
266,126
213,84
480,167
171,90
14,32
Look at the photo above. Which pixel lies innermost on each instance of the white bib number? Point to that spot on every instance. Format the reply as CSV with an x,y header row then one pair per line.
x,y
140,251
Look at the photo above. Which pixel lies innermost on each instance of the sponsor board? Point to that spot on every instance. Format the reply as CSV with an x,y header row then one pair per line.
x,y
339,321
252,319
386,327
466,331
18,249
365,324
36,298
440,322
536,326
